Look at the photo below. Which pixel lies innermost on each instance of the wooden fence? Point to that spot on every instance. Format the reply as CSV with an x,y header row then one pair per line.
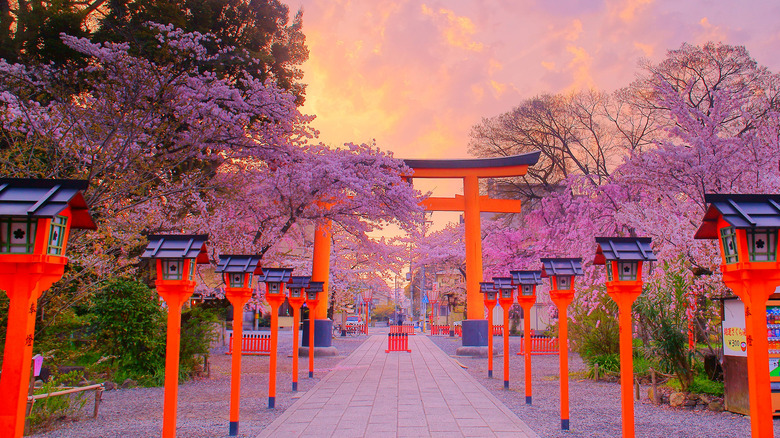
x,y
252,343
540,345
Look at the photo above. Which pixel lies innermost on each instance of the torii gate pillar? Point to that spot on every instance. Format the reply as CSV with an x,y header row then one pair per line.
x,y
475,329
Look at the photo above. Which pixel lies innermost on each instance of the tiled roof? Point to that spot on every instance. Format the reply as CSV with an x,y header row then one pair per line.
x,y
298,281
503,283
526,277
43,198
177,246
275,275
239,263
561,266
740,211
623,249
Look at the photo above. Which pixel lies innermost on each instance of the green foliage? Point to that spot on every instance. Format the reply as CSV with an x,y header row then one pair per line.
x,y
130,326
702,385
594,331
661,313
607,363
47,410
197,335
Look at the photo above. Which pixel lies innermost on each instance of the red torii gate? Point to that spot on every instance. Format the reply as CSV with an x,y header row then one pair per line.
x,y
475,330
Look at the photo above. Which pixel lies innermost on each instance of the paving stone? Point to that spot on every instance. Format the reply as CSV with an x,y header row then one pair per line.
x,y
376,394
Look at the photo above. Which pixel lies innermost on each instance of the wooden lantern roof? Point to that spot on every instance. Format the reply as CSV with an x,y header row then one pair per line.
x,y
275,275
45,198
561,266
623,249
245,264
177,246
315,286
502,283
299,282
739,211
487,287
526,277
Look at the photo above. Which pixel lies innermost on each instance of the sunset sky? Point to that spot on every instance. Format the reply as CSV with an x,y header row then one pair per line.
x,y
417,75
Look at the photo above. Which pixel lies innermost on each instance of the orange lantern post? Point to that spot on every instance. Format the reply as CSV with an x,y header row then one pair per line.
x,y
488,288
36,217
175,256
561,272
297,287
312,298
368,298
506,299
746,227
274,279
526,282
238,273
624,257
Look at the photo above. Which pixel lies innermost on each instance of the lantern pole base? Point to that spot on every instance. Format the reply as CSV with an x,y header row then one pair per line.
x,y
528,399
565,424
506,384
319,351
295,386
490,374
271,402
233,428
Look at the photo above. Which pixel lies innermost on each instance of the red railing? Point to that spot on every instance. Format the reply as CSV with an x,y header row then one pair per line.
x,y
406,328
458,331
252,344
398,342
540,345
440,330
498,330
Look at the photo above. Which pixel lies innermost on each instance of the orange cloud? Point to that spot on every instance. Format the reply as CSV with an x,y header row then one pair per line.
x,y
458,30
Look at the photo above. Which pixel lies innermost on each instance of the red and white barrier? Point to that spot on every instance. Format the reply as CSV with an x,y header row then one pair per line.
x,y
540,345
398,342
458,331
440,330
406,328
252,344
498,330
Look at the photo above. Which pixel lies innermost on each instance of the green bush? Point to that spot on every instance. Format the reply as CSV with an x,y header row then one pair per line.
x,y
594,331
197,335
608,363
702,385
661,313
130,326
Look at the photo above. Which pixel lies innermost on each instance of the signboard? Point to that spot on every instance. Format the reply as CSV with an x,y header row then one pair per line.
x,y
774,367
734,340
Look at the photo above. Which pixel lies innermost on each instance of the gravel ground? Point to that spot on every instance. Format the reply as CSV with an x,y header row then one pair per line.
x,y
594,407
203,404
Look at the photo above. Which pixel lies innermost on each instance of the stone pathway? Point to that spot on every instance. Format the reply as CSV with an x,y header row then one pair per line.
x,y
378,394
